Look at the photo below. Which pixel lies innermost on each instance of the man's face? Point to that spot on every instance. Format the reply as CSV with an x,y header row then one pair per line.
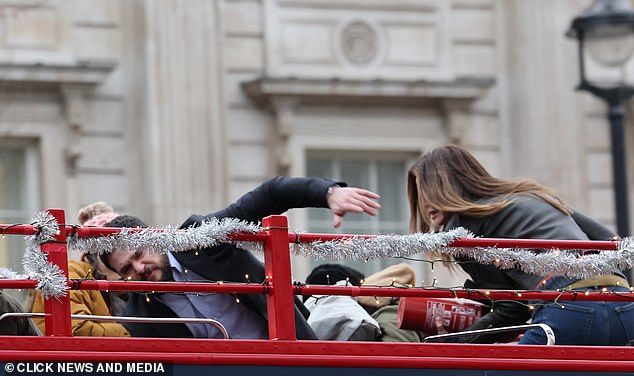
x,y
140,265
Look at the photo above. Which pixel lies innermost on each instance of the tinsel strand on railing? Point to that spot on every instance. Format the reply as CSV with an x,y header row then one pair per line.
x,y
51,281
571,263
380,246
169,239
6,273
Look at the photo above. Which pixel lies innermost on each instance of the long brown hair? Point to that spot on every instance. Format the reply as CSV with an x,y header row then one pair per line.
x,y
453,180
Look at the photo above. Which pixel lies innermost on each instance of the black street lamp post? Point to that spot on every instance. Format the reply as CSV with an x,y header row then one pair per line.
x,y
606,28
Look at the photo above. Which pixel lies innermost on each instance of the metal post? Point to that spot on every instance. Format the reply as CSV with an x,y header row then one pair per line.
x,y
615,99
277,266
616,115
57,309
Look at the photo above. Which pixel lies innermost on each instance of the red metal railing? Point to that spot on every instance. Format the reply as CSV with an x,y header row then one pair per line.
x,y
286,349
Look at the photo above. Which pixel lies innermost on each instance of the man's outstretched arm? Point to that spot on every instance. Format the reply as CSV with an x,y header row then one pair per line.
x,y
279,194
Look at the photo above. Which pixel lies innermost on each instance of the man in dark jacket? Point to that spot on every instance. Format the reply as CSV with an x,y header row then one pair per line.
x,y
228,263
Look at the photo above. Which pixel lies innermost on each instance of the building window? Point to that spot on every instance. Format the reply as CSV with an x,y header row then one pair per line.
x,y
384,173
19,195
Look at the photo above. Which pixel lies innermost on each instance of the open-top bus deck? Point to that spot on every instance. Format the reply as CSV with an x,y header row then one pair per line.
x,y
282,353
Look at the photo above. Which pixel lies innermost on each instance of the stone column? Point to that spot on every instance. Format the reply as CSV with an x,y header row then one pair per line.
x,y
73,99
544,122
185,131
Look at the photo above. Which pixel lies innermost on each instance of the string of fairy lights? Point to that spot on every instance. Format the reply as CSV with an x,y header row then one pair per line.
x,y
52,282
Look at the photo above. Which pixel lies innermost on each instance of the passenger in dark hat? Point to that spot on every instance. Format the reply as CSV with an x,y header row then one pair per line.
x,y
329,274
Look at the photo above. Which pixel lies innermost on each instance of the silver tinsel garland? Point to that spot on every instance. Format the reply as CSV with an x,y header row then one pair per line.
x,y
51,281
571,263
169,239
380,246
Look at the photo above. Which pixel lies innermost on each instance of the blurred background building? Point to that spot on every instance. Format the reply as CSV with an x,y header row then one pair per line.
x,y
169,107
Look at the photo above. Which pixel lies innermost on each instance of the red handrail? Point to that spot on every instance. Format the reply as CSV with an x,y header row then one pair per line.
x,y
59,344
278,285
298,237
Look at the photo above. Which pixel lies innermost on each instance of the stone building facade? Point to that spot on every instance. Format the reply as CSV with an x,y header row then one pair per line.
x,y
168,107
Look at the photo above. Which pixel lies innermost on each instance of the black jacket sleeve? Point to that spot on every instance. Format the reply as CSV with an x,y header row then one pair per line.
x,y
275,196
225,262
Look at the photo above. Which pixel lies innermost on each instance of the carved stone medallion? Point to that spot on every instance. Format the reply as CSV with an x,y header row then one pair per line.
x,y
359,43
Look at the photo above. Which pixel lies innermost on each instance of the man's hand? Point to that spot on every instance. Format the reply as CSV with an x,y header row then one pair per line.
x,y
348,199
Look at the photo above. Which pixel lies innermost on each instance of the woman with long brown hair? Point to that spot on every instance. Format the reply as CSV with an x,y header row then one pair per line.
x,y
449,188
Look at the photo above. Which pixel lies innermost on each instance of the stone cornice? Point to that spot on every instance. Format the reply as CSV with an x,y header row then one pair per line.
x,y
314,91
86,73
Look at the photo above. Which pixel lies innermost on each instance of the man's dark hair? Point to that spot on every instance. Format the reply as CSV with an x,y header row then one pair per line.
x,y
122,221
126,221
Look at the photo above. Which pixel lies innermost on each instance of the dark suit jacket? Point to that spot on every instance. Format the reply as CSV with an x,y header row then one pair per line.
x,y
226,262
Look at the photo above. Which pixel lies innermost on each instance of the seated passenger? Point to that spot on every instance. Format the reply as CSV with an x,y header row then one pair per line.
x,y
385,309
339,317
15,326
90,302
92,210
84,302
116,300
